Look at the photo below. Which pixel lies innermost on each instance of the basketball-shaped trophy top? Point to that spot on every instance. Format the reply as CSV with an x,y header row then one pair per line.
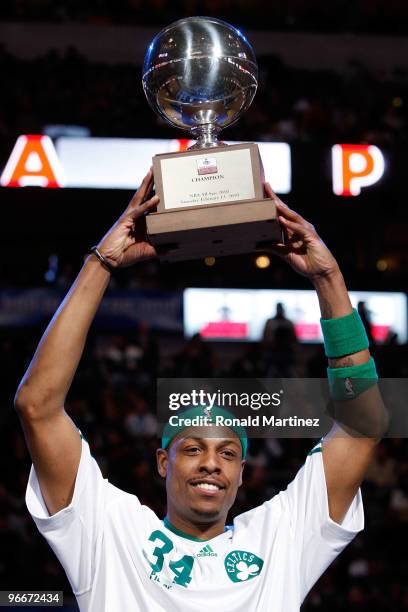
x,y
200,72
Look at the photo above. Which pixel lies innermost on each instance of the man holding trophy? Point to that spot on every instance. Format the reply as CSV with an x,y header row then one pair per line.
x,y
118,555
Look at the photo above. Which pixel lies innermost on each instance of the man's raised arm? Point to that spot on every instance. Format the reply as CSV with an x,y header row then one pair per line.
x,y
349,447
52,438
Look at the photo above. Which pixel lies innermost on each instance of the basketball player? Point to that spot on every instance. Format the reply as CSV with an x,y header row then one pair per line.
x,y
118,555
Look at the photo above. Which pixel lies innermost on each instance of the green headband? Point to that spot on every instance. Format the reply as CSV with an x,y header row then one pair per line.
x,y
205,417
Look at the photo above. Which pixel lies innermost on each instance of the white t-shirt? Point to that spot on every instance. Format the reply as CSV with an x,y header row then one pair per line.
x,y
119,556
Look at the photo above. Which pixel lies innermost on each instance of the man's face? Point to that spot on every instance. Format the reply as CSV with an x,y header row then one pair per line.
x,y
202,473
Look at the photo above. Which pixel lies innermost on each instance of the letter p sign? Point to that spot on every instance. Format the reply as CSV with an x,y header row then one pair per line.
x,y
354,167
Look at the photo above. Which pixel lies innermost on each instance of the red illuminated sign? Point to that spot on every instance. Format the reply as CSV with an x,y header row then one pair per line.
x,y
33,162
354,167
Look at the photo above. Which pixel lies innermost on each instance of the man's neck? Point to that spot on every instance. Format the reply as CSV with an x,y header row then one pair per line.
x,y
197,530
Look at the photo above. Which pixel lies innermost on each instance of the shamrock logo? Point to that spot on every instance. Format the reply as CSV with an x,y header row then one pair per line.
x,y
242,565
245,571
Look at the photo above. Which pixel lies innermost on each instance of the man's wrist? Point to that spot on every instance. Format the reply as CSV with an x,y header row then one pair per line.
x,y
92,262
95,251
333,296
328,280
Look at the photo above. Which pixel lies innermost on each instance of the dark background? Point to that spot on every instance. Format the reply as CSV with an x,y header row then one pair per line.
x,y
113,397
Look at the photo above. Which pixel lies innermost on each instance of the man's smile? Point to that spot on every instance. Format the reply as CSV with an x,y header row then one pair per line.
x,y
207,486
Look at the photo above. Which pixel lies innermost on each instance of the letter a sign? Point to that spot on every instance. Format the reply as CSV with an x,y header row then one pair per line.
x,y
33,162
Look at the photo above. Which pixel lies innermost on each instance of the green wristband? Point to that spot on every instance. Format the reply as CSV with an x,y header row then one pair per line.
x,y
348,383
344,335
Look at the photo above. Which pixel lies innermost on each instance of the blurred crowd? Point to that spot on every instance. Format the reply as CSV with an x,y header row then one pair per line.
x,y
292,105
384,16
113,403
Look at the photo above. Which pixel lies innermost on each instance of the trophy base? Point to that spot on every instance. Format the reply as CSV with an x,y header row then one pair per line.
x,y
213,230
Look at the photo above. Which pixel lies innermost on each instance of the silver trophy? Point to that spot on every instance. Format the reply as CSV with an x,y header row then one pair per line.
x,y
200,74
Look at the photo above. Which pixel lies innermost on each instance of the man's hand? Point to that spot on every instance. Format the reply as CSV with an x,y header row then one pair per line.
x,y
126,243
303,249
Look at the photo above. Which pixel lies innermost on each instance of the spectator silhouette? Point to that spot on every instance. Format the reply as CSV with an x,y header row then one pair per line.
x,y
194,360
365,317
279,340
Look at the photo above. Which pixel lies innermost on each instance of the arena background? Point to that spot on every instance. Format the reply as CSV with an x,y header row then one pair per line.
x,y
331,73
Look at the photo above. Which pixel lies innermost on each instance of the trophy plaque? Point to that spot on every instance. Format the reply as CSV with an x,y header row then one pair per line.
x,y
200,74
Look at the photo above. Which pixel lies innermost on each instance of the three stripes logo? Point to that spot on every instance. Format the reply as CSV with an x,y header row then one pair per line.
x,y
207,551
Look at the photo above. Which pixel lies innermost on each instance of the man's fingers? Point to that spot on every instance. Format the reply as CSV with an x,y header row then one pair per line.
x,y
279,249
269,192
135,210
283,209
145,183
152,202
149,204
143,190
295,226
147,178
288,213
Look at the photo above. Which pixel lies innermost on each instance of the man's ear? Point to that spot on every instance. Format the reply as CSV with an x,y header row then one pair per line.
x,y
243,463
162,458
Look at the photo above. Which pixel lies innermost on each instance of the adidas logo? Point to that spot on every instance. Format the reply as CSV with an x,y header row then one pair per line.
x,y
207,551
